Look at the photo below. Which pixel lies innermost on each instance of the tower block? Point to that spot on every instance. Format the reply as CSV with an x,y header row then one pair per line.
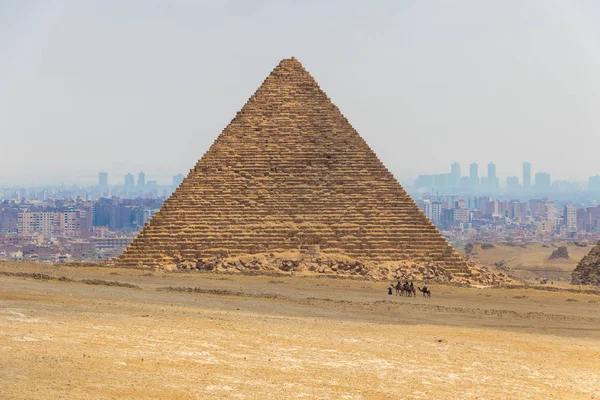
x,y
290,173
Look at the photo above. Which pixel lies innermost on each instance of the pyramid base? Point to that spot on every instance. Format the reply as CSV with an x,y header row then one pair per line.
x,y
338,265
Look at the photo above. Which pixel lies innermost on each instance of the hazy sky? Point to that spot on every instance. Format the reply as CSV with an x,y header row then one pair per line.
x,y
130,85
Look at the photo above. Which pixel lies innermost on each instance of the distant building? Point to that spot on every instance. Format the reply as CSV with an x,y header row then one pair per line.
x,y
526,175
474,175
492,181
141,180
427,208
512,183
440,181
465,183
594,183
69,222
545,227
461,215
542,181
455,175
517,210
111,243
424,181
492,208
152,185
177,180
129,182
570,218
436,212
45,223
103,179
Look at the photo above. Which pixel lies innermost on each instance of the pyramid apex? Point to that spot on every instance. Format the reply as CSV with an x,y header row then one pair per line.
x,y
291,61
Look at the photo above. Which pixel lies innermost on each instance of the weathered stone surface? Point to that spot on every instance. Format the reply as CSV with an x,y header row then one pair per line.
x,y
559,253
587,271
289,173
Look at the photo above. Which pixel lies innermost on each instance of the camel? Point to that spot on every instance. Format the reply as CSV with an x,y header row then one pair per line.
x,y
410,291
398,288
426,292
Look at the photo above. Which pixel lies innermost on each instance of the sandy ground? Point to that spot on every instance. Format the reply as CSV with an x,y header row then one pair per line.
x,y
532,259
287,337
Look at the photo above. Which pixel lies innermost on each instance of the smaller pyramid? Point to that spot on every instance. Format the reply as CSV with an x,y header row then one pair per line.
x,y
288,174
588,269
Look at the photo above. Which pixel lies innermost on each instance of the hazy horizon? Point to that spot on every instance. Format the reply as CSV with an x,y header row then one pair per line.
x,y
147,86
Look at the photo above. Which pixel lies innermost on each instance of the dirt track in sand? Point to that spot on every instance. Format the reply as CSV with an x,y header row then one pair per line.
x,y
273,337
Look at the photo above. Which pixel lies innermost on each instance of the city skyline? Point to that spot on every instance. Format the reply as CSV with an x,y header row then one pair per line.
x,y
405,75
120,178
530,180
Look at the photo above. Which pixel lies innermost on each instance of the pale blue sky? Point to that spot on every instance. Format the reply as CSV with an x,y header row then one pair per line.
x,y
132,85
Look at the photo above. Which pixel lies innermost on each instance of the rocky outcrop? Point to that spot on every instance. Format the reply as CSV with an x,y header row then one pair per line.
x,y
288,172
559,253
587,271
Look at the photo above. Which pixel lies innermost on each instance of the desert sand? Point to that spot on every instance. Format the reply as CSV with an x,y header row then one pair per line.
x,y
105,333
531,260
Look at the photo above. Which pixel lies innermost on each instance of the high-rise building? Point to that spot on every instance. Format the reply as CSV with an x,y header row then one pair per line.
x,y
491,170
542,181
455,175
427,209
526,175
141,180
570,218
432,210
474,175
436,212
103,179
492,179
69,222
177,179
129,181
594,183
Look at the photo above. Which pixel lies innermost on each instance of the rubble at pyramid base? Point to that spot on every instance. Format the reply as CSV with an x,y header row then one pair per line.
x,y
338,265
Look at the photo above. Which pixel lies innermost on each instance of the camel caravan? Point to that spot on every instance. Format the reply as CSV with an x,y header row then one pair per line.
x,y
408,289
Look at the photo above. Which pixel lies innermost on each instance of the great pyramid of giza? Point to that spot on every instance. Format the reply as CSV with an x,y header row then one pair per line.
x,y
289,171
587,271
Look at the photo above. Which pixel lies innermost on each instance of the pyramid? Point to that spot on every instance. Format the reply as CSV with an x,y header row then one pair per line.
x,y
587,271
289,171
